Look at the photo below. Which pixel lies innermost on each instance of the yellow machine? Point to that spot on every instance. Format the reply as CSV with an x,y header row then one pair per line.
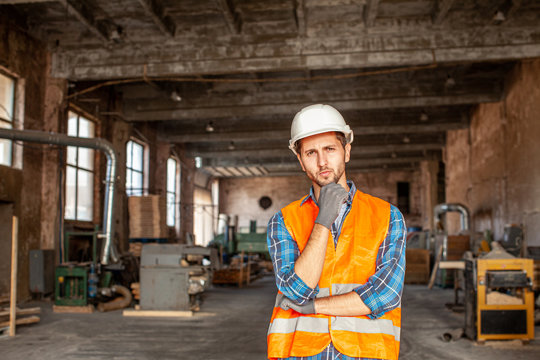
x,y
505,300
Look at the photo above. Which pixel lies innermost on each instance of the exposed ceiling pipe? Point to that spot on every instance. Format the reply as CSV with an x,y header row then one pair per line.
x,y
109,251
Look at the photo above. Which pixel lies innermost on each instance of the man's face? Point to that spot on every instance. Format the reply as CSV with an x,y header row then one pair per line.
x,y
323,158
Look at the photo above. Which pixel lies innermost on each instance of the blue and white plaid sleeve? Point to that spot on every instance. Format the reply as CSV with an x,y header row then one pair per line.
x,y
284,252
382,292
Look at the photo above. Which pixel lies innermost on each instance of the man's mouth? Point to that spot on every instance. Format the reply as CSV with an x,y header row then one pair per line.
x,y
325,173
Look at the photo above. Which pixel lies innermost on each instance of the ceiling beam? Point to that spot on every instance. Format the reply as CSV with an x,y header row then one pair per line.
x,y
370,12
285,134
292,108
84,14
405,167
16,2
300,17
154,8
287,154
231,18
494,43
441,9
293,163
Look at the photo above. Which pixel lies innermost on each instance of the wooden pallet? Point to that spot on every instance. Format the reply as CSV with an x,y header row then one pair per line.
x,y
417,266
88,309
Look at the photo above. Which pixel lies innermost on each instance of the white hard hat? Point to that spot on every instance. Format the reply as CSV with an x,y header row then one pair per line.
x,y
318,119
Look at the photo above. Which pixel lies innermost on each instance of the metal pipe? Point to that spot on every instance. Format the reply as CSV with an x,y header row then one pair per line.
x,y
443,208
118,303
42,137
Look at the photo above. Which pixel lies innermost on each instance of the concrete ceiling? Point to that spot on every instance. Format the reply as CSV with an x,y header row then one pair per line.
x,y
403,72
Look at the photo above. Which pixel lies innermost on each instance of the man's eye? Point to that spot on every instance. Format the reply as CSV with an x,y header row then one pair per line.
x,y
309,153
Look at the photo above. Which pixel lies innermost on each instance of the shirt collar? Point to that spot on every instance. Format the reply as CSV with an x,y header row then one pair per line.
x,y
350,197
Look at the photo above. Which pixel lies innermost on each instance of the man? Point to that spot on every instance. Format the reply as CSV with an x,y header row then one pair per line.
x,y
338,256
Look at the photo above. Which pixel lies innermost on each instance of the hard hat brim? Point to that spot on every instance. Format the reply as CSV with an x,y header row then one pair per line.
x,y
346,131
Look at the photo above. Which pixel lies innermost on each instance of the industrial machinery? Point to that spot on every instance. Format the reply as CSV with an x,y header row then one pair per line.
x,y
499,301
168,281
232,242
71,285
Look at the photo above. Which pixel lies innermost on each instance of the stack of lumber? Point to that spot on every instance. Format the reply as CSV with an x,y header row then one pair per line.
x,y
147,217
417,268
136,290
135,248
23,316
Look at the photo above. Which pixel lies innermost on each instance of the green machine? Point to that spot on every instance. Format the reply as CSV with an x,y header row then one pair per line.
x,y
234,242
71,285
252,242
76,279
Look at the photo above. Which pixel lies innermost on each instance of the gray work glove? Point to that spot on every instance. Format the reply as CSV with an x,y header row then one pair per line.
x,y
308,308
331,197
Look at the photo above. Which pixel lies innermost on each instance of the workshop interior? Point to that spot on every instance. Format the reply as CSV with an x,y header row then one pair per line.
x,y
144,148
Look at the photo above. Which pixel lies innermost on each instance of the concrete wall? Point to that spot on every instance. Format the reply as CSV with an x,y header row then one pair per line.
x,y
494,167
241,196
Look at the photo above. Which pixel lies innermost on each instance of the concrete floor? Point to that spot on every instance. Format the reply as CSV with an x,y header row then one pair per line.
x,y
232,325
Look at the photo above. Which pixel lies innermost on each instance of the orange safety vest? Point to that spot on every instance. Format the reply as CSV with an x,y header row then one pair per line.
x,y
345,268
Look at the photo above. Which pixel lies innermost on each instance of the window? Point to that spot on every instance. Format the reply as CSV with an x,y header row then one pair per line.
x,y
7,101
135,169
172,191
79,171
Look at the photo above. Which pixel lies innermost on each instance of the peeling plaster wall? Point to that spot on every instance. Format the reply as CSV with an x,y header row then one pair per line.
x,y
241,196
494,167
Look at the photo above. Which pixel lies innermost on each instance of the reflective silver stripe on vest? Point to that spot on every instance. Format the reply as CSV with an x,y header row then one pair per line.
x,y
338,289
323,292
302,323
366,326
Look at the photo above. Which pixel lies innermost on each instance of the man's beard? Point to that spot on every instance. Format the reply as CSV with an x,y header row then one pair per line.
x,y
334,178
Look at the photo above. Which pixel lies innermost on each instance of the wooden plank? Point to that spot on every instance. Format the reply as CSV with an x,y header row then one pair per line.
x,y
157,313
435,267
13,301
154,9
370,12
459,265
443,6
21,312
73,309
21,321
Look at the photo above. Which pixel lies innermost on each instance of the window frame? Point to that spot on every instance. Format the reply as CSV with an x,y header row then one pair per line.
x,y
144,169
11,123
72,109
175,193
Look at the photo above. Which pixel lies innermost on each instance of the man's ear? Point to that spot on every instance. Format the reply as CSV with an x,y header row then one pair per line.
x,y
347,152
300,161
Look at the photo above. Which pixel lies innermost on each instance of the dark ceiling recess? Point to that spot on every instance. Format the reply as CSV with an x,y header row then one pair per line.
x,y
211,73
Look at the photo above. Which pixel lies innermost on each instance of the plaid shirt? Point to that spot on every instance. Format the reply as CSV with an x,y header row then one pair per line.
x,y
381,293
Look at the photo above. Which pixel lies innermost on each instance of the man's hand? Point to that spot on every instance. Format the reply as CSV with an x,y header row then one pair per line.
x,y
331,197
306,309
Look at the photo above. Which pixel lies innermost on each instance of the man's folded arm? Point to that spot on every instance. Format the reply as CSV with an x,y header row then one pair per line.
x,y
382,292
284,252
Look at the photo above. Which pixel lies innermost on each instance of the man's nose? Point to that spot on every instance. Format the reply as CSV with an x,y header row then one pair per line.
x,y
322,159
